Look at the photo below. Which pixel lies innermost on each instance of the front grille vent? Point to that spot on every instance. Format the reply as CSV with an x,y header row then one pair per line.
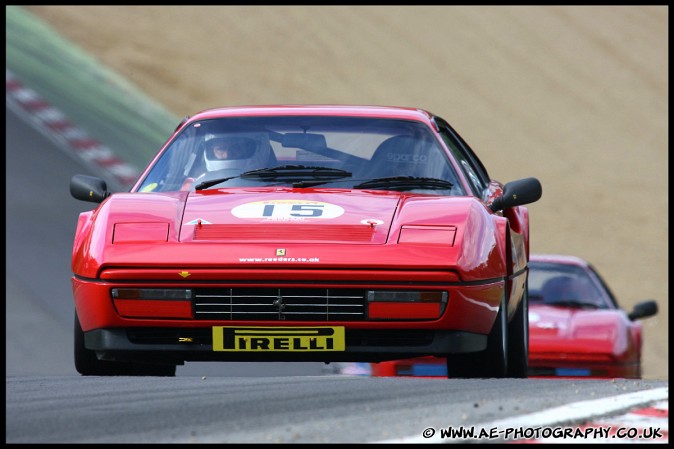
x,y
292,304
275,232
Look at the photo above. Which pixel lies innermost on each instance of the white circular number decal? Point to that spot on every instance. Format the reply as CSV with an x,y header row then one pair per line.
x,y
287,210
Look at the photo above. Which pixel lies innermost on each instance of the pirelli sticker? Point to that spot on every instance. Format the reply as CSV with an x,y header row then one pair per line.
x,y
278,339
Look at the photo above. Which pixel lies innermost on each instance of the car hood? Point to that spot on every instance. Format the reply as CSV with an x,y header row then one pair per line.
x,y
329,227
288,216
571,330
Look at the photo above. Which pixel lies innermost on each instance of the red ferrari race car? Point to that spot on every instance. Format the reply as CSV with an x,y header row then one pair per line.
x,y
304,233
576,327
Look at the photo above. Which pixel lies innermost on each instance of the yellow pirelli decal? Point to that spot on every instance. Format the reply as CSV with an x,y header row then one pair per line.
x,y
274,339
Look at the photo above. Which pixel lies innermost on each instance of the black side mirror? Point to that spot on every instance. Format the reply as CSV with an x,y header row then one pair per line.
x,y
643,310
88,188
518,193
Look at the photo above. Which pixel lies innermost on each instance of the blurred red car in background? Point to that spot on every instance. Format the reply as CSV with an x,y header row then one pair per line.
x,y
576,327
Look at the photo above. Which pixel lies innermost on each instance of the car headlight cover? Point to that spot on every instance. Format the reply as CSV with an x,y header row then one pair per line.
x,y
406,304
153,302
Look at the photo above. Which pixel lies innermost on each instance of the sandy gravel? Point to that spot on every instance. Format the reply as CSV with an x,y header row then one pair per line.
x,y
574,95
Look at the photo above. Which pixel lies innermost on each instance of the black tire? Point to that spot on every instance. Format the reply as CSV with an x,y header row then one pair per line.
x,y
87,364
491,362
518,339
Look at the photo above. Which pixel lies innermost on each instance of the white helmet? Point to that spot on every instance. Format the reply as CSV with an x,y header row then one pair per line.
x,y
236,153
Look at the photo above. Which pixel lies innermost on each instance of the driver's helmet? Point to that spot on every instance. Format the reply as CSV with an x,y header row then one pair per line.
x,y
236,153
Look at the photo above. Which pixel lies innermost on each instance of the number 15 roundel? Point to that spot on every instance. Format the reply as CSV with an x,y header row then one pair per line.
x,y
288,209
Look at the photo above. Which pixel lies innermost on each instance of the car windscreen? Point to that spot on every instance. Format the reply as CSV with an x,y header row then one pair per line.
x,y
367,148
563,284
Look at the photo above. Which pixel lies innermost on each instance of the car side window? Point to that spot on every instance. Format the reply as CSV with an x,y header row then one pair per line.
x,y
472,167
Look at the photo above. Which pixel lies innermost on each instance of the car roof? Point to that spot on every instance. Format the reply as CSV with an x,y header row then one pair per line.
x,y
560,259
324,109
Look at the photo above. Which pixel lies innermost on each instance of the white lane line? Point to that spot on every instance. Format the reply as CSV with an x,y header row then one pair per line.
x,y
559,416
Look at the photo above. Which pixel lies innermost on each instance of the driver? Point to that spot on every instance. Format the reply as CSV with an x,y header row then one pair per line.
x,y
230,153
233,153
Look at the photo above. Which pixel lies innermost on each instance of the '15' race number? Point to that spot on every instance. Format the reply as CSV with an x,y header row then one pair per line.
x,y
287,209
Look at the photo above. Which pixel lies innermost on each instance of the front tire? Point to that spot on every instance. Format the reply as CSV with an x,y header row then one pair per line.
x,y
518,339
491,362
87,363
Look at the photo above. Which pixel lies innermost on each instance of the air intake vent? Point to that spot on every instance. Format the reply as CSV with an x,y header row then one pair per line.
x,y
285,233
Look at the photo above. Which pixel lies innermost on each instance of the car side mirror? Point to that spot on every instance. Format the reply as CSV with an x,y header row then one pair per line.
x,y
88,188
643,310
518,193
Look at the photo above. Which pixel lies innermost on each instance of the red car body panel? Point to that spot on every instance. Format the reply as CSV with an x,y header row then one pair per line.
x,y
604,342
230,237
249,246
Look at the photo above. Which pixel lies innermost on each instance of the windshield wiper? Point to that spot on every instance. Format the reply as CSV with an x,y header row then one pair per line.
x,y
290,173
295,174
576,304
212,182
405,183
